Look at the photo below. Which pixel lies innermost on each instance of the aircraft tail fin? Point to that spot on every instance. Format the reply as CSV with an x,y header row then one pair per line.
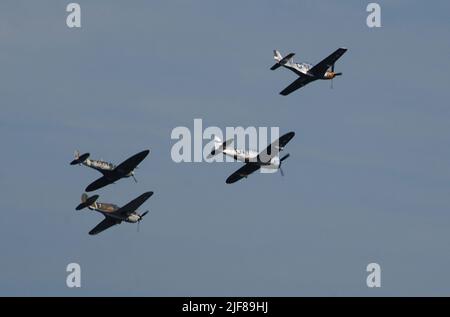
x,y
86,201
280,60
277,55
219,146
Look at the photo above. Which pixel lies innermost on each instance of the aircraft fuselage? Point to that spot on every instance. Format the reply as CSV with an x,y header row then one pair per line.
x,y
102,166
302,69
251,156
110,210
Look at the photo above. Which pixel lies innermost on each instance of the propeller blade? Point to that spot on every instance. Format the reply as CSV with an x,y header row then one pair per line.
x,y
135,180
281,163
284,157
140,219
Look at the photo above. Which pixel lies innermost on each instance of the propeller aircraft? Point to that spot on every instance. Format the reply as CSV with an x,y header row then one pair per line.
x,y
306,72
269,158
114,215
111,173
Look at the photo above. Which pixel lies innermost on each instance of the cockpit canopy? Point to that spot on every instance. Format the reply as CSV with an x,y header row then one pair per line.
x,y
306,65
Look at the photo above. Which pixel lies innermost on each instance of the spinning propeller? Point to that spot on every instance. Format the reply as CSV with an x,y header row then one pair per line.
x,y
335,74
281,161
140,219
132,174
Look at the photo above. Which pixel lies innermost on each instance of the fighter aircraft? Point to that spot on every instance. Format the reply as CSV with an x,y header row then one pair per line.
x,y
268,158
111,173
306,72
114,215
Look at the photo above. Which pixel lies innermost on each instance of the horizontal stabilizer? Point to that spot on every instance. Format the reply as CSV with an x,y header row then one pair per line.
x,y
287,58
80,159
219,147
275,66
281,60
88,202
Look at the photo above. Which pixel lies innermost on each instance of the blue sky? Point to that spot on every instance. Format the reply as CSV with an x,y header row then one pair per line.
x,y
367,180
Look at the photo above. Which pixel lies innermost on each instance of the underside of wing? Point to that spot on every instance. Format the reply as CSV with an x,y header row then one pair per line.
x,y
105,224
297,84
134,204
244,171
275,147
99,183
130,164
320,69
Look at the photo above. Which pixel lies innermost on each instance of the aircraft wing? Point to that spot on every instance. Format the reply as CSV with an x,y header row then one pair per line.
x,y
134,204
320,69
101,182
273,149
298,83
105,224
244,171
130,164
283,61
